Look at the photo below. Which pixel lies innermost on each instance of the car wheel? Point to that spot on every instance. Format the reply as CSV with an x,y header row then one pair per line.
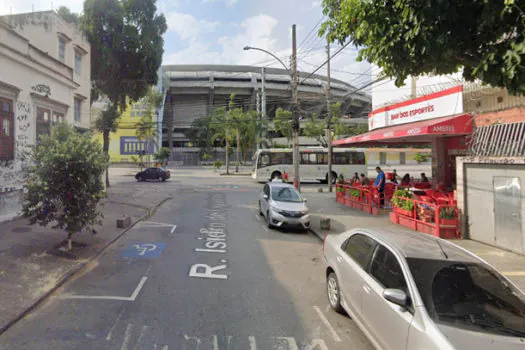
x,y
164,179
334,178
140,178
269,219
334,293
260,209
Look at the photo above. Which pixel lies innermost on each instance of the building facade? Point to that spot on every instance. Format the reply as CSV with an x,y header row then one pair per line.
x,y
44,79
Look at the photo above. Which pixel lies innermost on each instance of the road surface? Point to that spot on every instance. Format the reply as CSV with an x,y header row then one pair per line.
x,y
202,273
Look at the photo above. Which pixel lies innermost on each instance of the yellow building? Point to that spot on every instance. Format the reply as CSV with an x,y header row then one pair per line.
x,y
124,144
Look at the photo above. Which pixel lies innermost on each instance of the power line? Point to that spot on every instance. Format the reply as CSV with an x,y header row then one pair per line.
x,y
313,29
325,62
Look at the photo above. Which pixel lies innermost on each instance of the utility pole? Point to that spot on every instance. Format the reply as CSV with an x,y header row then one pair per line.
x,y
259,119
329,120
263,106
295,113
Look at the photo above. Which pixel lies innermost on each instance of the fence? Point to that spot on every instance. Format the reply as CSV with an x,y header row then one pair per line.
x,y
194,157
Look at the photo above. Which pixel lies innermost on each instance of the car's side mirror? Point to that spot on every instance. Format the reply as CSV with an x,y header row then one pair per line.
x,y
265,196
396,296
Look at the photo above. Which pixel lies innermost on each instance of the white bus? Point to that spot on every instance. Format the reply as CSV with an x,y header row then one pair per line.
x,y
269,163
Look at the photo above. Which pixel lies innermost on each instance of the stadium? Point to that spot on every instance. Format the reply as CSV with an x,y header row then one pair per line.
x,y
194,91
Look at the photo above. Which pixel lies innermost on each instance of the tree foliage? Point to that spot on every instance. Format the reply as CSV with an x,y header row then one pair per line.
x,y
316,127
163,154
68,16
483,38
200,133
283,123
126,53
64,184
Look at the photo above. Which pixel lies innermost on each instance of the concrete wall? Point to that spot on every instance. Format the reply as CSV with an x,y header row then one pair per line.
x,y
475,195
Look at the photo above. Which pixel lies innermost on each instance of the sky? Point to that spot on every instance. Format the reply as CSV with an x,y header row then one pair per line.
x,y
215,32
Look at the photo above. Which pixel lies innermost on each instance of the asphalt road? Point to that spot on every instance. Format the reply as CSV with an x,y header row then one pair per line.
x,y
203,273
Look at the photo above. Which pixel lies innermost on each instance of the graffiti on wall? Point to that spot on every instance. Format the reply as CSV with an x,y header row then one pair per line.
x,y
12,172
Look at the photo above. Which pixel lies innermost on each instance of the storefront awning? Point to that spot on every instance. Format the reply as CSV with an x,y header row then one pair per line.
x,y
417,132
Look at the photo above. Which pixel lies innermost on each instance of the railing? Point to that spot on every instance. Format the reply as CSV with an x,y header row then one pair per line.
x,y
438,219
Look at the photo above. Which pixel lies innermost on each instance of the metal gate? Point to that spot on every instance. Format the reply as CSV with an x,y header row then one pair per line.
x,y
507,212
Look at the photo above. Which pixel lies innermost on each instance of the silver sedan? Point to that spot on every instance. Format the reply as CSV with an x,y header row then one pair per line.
x,y
282,205
408,290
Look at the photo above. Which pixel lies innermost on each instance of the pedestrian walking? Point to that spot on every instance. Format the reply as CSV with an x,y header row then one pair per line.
x,y
380,186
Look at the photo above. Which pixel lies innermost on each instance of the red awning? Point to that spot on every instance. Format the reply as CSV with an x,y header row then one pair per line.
x,y
418,132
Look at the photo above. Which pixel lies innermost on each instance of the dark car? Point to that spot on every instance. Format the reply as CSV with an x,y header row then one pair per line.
x,y
153,174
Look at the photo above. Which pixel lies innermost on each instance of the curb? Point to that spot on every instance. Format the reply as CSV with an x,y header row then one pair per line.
x,y
78,269
235,174
316,234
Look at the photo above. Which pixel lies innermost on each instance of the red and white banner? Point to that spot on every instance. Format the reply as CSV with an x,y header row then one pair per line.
x,y
436,105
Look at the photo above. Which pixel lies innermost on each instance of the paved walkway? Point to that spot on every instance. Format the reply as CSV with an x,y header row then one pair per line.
x,y
345,218
28,272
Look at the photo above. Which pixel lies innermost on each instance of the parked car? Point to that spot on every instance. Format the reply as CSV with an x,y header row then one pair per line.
x,y
282,205
153,174
407,290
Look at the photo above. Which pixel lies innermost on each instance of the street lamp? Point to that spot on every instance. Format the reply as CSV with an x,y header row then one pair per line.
x,y
295,119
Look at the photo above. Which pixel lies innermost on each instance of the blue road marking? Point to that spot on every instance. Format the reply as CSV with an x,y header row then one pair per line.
x,y
144,250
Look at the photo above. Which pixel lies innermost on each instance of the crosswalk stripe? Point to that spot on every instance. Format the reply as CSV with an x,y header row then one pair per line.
x,y
127,336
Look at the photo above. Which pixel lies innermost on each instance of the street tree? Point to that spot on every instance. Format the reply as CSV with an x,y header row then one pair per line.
x,y
163,155
146,128
283,123
483,39
126,53
64,184
200,134
223,130
68,16
249,132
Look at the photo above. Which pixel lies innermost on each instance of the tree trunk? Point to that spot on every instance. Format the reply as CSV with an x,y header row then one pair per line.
x,y
105,147
69,242
245,155
237,152
227,157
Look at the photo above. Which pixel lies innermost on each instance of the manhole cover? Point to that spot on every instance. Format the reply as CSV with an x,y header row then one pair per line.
x,y
21,229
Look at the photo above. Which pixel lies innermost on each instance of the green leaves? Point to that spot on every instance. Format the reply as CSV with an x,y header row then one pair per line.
x,y
413,38
64,185
283,123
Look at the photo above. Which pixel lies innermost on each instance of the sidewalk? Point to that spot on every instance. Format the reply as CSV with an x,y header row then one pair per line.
x,y
344,218
28,272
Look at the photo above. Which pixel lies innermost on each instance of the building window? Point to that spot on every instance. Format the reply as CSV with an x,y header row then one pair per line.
x,y
43,122
78,63
61,50
7,138
77,109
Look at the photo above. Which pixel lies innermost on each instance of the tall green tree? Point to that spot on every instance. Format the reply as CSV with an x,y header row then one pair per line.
x,y
483,38
200,134
64,184
224,130
283,123
250,128
126,52
68,16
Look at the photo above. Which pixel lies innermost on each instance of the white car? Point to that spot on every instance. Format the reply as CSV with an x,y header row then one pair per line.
x,y
408,290
282,205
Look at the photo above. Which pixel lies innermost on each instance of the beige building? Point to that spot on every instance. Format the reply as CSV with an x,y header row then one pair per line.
x,y
44,78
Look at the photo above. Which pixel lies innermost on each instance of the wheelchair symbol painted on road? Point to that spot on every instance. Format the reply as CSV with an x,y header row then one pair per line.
x,y
144,250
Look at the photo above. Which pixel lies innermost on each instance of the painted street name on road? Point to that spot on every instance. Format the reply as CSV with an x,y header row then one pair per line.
x,y
214,240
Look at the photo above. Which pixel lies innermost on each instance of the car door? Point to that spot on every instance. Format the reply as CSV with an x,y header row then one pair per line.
x,y
353,261
387,322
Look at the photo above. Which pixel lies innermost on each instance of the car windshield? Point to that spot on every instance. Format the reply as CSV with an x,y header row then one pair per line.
x,y
471,296
286,194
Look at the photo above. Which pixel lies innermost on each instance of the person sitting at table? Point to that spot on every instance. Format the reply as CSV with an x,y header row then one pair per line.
x,y
395,176
405,181
424,178
364,180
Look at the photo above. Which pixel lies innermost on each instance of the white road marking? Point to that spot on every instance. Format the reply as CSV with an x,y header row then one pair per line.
x,y
110,333
173,229
141,335
127,335
197,340
257,217
210,250
264,227
165,347
253,344
147,271
137,290
215,343
156,223
109,297
327,324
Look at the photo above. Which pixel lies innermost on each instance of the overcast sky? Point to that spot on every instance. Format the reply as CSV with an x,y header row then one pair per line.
x,y
215,32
